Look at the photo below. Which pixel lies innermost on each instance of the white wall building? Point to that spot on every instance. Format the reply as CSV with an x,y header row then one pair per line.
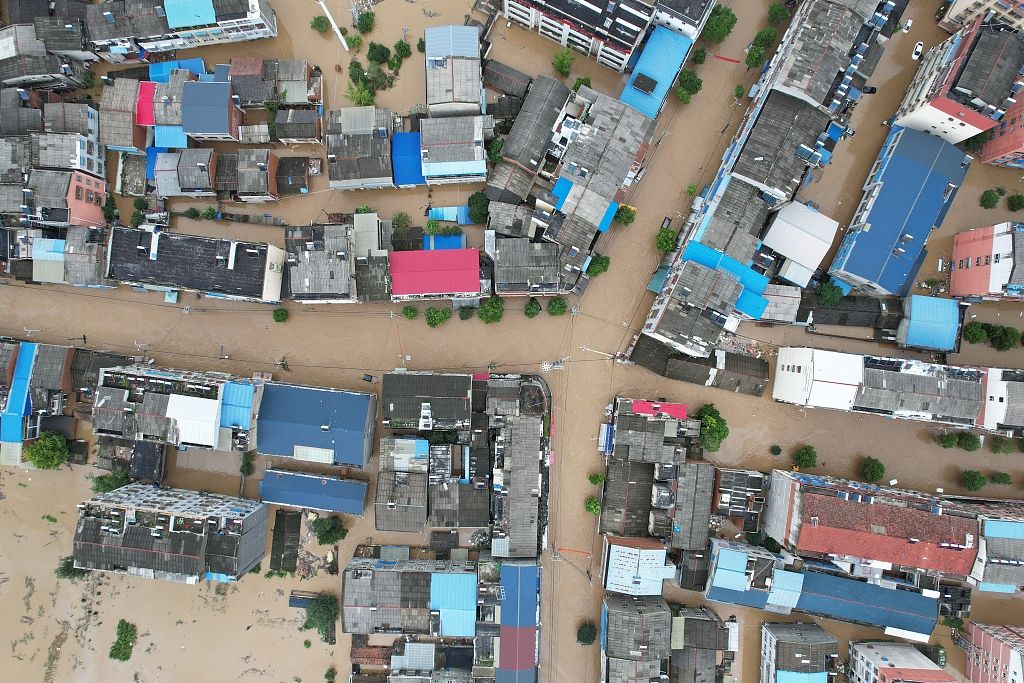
x,y
880,662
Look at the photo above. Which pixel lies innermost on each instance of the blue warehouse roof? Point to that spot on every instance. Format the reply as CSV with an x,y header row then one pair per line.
x,y
451,41
918,176
313,492
520,584
236,405
845,599
19,401
454,596
660,60
934,323
292,416
405,159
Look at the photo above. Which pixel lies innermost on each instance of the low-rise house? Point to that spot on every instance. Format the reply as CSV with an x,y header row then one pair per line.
x,y
168,99
435,274
988,262
878,661
313,492
292,176
170,534
524,267
517,488
359,148
188,173
216,267
426,401
83,122
635,566
209,113
503,78
67,151
298,127
28,62
321,264
118,129
803,650
454,78
802,236
64,198
636,638
298,83
256,176
18,116
929,323
452,150
740,497
401,503
253,80
77,258
519,623
699,642
117,29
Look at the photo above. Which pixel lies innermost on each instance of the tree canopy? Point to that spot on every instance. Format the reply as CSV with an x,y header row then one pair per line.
x,y
719,24
872,470
492,310
665,239
713,427
48,452
973,480
322,614
563,60
557,306
806,457
478,203
328,530
828,294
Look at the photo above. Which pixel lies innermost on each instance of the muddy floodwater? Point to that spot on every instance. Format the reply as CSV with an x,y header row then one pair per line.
x,y
61,631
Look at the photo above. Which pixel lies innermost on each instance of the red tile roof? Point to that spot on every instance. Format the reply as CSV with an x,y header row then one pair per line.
x,y
144,104
676,410
447,271
246,66
517,647
973,281
916,675
881,532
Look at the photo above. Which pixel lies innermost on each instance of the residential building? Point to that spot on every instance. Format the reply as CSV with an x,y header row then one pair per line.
x,y
803,651
64,198
885,662
118,129
168,119
930,323
1005,145
454,76
740,497
170,534
401,503
256,171
291,176
802,236
359,148
654,74
962,12
635,566
692,495
188,173
208,111
124,31
36,386
519,622
699,642
636,635
76,258
517,487
253,80
313,492
298,83
220,268
996,653
83,122
452,149
320,266
29,63
299,127
984,262
434,597
885,245
526,268
315,424
722,369
426,401
506,79
17,116
965,84
999,567
435,274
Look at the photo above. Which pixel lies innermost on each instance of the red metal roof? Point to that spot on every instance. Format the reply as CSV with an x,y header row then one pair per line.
x,y
916,675
144,104
969,245
676,410
448,271
518,647
882,532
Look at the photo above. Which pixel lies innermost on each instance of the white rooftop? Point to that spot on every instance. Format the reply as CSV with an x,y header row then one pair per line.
x,y
818,379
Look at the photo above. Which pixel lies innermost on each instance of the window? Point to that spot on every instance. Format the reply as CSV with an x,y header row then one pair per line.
x,y
78,192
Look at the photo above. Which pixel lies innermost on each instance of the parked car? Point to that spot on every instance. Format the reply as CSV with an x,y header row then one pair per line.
x,y
869,90
907,24
918,49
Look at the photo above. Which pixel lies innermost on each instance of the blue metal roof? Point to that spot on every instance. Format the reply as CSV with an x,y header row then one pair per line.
x,y
917,183
997,587
845,599
151,153
609,216
561,191
750,301
205,107
515,676
786,587
443,242
405,159
453,214
751,598
187,13
451,41
236,405
314,492
19,402
291,416
47,249
934,323
998,528
454,595
521,586
658,279
168,137
660,60
800,677
160,72
731,570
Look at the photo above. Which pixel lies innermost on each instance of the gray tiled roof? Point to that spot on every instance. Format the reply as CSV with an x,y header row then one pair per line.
x,y
291,175
50,188
723,370
639,629
992,66
15,158
165,174
132,18
226,177
803,647
509,219
695,485
820,48
457,80
401,503
508,183
54,150
67,117
117,109
531,132
504,78
167,112
84,256
627,497
323,271
56,35
517,512
452,139
298,124
251,178
16,119
938,394
403,394
191,175
736,224
520,265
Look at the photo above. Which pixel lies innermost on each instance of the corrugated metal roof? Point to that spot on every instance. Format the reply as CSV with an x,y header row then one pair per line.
x,y
450,271
452,41
188,13
314,492
454,595
934,323
236,404
662,56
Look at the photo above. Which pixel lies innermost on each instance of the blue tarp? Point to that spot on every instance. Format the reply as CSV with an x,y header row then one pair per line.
x,y
453,214
236,405
454,595
440,242
800,677
609,216
520,584
160,72
1003,529
170,137
314,492
561,191
661,59
997,587
658,279
151,153
405,159
934,323
19,402
750,301
845,599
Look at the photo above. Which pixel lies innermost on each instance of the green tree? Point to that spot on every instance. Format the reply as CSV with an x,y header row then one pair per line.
x,y
778,13
805,457
1002,478
699,55
492,310
328,530
563,60
1003,445
409,312
192,212
580,82
1015,202
421,45
402,49
691,190
320,24
989,199
400,222
975,332
140,204
871,470
625,214
88,80
330,675
1003,338
598,265
465,313
828,294
968,441
433,227
532,309
137,219
494,150
354,42
105,483
953,622
377,53
322,614
586,633
365,208
280,315
122,648
109,209
356,72
765,38
755,57
683,95
592,505
972,480
690,81
947,440
974,144
478,203
597,478
776,450
436,315
719,24
665,239
365,22
713,427
739,92
359,95
66,569
48,452
209,213
557,306
246,466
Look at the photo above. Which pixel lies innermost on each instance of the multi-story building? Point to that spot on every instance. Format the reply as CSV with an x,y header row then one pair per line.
x,y
188,173
83,122
257,176
119,130
209,112
995,653
962,12
517,484
359,148
965,84
452,149
635,638
170,534
889,662
803,649
454,76
1005,144
321,266
27,62
64,198
984,262
435,274
426,400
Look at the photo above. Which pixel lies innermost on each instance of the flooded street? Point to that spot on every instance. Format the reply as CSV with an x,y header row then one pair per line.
x,y
61,631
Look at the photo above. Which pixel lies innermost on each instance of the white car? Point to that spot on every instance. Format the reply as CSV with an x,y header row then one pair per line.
x,y
907,25
918,49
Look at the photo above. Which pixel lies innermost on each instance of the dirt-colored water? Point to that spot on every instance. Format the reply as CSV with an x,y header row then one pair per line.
x,y
61,631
